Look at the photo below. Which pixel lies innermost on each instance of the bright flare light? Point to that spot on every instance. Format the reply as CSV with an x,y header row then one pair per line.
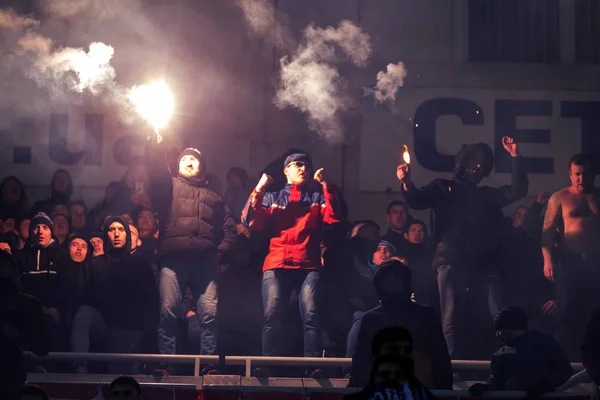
x,y
406,155
154,103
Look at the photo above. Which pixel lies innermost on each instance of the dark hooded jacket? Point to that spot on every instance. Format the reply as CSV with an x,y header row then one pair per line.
x,y
56,197
397,309
122,287
39,271
467,216
194,220
18,209
73,276
23,328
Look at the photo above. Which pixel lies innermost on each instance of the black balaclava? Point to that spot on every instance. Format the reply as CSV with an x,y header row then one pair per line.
x,y
200,179
393,271
109,249
468,158
58,197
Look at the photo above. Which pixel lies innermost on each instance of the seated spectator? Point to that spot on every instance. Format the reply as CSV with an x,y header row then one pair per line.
x,y
37,263
34,392
392,283
97,241
121,300
62,228
392,377
529,361
78,213
418,256
590,351
61,189
125,387
398,217
13,199
23,231
23,329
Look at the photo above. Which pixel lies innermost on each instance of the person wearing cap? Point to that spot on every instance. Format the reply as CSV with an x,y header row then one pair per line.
x,y
528,360
37,262
196,231
392,284
469,254
292,219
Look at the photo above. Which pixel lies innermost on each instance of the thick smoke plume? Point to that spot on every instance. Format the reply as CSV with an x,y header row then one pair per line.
x,y
389,82
310,81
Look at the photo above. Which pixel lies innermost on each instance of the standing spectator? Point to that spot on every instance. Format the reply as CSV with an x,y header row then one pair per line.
x,y
121,299
97,241
23,231
237,192
135,185
384,252
519,216
23,329
78,213
61,189
13,199
38,266
9,224
196,232
392,282
74,271
60,208
136,242
146,223
293,219
398,217
95,218
469,252
62,228
418,256
529,361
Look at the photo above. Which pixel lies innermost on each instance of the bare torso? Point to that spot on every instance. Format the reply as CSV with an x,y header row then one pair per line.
x,y
581,220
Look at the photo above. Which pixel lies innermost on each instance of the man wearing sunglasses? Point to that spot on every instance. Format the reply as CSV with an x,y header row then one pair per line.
x,y
292,219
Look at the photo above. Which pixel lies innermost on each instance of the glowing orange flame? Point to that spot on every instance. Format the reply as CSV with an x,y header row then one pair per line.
x,y
406,155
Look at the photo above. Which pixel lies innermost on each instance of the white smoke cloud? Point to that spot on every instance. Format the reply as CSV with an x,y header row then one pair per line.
x,y
310,80
389,82
259,15
97,9
35,43
10,20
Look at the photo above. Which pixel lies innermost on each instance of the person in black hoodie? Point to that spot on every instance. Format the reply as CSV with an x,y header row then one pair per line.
x,y
13,199
74,266
37,262
61,189
196,233
23,329
469,250
121,299
418,256
392,282
529,361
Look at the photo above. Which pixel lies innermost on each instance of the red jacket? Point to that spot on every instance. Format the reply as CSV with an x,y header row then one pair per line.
x,y
292,218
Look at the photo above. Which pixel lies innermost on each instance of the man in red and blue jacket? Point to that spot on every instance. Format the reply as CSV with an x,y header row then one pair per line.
x,y
292,218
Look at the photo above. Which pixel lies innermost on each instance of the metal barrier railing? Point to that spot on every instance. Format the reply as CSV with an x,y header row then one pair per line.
x,y
247,361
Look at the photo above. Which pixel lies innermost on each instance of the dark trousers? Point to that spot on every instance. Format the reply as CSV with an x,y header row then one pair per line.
x,y
577,281
469,299
277,286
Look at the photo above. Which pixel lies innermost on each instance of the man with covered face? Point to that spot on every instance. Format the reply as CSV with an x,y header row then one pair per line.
x,y
196,231
292,219
468,239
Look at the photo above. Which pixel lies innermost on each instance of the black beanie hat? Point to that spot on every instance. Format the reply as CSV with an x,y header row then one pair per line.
x,y
190,151
511,317
41,219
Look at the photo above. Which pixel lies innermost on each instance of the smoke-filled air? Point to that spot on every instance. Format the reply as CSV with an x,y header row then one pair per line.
x,y
259,15
310,80
389,82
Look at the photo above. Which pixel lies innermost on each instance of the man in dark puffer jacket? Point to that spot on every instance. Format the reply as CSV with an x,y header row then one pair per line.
x,y
196,231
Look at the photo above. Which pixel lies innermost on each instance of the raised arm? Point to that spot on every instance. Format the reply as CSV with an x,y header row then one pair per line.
x,y
519,186
553,215
331,208
416,198
255,212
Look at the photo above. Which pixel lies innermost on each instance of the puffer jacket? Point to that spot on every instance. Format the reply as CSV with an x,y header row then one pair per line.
x,y
193,218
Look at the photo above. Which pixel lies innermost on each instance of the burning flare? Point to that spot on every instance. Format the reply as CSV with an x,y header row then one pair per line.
x,y
406,155
154,103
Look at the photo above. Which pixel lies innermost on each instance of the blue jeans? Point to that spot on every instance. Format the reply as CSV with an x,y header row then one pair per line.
x,y
353,333
277,286
174,279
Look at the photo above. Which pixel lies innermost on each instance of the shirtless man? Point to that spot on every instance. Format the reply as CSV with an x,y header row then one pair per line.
x,y
575,263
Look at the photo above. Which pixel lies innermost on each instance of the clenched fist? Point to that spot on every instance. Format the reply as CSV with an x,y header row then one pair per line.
x,y
320,177
403,173
265,181
510,145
